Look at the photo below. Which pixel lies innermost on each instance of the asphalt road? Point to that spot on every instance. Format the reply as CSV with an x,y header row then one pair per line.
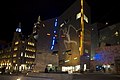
x,y
88,76
96,77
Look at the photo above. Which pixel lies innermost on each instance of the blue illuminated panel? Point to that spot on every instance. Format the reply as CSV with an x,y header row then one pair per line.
x,y
54,38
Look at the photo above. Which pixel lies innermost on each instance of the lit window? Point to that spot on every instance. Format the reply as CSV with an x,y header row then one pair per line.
x,y
62,36
48,34
31,43
15,48
14,61
25,55
62,25
14,55
28,49
85,18
55,35
75,58
34,31
86,51
16,43
78,15
116,33
35,26
67,60
21,53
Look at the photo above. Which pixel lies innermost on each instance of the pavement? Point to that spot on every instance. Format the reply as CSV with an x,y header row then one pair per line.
x,y
75,76
96,76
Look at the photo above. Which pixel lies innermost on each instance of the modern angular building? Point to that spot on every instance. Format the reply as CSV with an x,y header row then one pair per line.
x,y
67,35
75,36
46,42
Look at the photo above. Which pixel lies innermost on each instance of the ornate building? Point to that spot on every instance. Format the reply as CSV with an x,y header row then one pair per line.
x,y
20,55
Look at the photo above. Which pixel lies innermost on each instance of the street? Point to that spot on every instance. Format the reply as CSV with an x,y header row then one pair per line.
x,y
79,76
96,77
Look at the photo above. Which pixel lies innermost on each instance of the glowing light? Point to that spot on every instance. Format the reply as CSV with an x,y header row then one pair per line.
x,y
18,79
82,26
54,31
67,60
16,43
85,66
52,48
18,30
75,58
53,37
78,15
97,57
48,34
53,40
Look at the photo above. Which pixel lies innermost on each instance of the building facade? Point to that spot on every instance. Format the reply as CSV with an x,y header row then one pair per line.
x,y
20,55
71,31
106,50
66,35
43,32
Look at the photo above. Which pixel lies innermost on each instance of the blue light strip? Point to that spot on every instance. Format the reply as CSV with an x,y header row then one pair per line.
x,y
55,24
53,40
51,47
53,43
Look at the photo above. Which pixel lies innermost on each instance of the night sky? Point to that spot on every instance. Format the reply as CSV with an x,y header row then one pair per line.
x,y
27,11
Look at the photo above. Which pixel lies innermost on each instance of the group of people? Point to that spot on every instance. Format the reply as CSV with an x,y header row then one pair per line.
x,y
46,70
50,69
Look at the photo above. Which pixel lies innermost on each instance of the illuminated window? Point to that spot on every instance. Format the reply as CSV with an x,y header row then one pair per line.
x,y
21,53
28,49
34,31
85,18
62,25
78,15
67,60
14,61
25,55
16,43
48,34
86,51
23,41
30,56
15,48
14,55
62,36
116,33
75,58
31,43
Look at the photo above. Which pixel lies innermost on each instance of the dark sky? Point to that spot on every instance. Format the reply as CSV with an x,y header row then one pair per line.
x,y
27,11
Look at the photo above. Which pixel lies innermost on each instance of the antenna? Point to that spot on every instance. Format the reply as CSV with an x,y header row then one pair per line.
x,y
39,19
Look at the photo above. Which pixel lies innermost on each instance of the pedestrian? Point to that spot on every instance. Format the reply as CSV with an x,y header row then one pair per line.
x,y
46,70
103,69
51,70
